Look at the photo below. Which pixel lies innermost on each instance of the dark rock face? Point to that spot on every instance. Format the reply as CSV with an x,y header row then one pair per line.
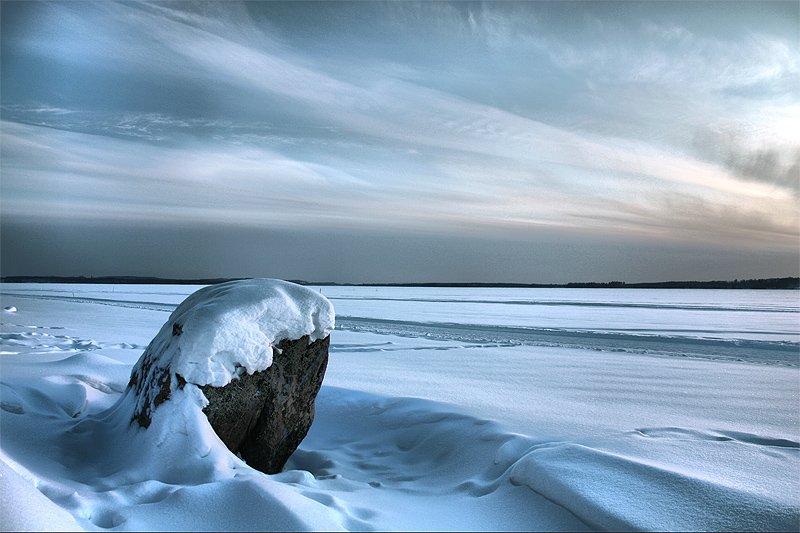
x,y
265,415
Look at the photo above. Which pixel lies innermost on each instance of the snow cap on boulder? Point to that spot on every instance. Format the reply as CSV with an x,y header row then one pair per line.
x,y
223,331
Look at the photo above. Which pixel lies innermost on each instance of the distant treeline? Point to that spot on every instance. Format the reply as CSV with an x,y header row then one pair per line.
x,y
768,283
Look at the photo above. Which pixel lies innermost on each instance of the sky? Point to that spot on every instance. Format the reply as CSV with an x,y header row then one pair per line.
x,y
366,142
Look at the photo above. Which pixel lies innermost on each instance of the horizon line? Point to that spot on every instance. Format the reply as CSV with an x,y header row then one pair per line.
x,y
789,282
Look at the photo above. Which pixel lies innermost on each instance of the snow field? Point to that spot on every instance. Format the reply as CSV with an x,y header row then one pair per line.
x,y
415,429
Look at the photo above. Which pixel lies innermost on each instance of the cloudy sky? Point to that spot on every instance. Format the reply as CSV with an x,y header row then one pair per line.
x,y
401,141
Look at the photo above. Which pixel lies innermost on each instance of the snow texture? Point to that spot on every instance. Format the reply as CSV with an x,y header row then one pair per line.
x,y
222,330
27,509
442,409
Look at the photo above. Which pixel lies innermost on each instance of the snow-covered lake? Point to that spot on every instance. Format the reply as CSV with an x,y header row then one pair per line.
x,y
442,409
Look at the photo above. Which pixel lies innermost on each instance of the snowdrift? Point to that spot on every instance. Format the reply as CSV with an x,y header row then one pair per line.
x,y
71,458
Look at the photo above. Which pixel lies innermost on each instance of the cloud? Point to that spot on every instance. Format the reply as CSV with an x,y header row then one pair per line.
x,y
117,179
59,173
766,165
279,136
773,164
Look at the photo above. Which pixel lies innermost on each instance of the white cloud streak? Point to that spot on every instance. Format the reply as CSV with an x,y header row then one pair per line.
x,y
435,159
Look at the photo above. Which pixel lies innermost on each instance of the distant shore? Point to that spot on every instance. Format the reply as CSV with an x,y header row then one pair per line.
x,y
764,283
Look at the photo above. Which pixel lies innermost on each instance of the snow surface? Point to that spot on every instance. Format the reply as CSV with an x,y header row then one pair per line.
x,y
459,409
223,329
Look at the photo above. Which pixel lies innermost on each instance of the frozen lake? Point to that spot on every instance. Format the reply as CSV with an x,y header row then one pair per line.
x,y
448,408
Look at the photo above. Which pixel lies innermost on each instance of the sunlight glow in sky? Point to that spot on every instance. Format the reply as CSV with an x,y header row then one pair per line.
x,y
672,124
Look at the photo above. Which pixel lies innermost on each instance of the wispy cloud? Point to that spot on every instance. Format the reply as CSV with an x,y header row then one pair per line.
x,y
273,135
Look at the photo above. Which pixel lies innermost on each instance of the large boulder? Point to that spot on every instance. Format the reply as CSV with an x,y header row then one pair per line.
x,y
257,349
264,416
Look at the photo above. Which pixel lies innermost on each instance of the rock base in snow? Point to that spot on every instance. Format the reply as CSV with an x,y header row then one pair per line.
x,y
257,349
264,415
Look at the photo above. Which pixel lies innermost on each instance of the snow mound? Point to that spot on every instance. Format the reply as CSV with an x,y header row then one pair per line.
x,y
223,330
27,509
615,492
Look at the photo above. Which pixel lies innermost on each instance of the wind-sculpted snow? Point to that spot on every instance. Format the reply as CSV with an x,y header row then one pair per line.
x,y
755,351
428,420
618,493
583,304
370,463
712,314
116,302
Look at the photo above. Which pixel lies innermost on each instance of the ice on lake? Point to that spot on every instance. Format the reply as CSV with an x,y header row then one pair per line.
x,y
442,409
